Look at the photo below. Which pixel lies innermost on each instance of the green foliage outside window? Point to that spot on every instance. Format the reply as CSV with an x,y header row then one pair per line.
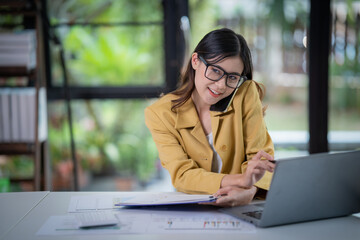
x,y
110,135
121,52
115,56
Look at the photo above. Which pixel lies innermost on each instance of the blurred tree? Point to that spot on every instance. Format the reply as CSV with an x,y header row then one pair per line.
x,y
110,135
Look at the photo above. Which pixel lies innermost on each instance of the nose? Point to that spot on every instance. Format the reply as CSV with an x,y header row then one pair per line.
x,y
221,84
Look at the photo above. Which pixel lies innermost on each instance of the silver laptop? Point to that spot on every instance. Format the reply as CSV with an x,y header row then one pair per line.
x,y
307,188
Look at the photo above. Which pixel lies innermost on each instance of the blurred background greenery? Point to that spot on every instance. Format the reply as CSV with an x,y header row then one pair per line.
x,y
110,135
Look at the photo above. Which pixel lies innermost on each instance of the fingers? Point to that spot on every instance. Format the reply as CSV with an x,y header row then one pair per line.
x,y
257,163
225,201
271,165
223,191
256,166
263,154
228,200
235,197
268,166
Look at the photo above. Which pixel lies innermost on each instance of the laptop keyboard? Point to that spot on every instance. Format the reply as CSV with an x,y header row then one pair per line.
x,y
254,214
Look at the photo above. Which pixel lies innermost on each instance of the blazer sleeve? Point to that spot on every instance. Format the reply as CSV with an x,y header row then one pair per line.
x,y
186,175
256,136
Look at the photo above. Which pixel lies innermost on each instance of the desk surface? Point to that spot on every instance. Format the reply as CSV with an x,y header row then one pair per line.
x,y
57,203
11,213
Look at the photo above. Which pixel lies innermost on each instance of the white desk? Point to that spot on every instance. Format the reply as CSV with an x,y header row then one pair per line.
x,y
15,206
56,203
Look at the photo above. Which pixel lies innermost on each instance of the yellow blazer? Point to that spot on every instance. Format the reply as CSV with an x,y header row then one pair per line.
x,y
239,133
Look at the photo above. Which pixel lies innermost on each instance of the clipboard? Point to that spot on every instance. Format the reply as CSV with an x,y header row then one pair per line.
x,y
160,199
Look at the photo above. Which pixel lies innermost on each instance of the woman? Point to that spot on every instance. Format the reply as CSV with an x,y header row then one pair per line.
x,y
210,132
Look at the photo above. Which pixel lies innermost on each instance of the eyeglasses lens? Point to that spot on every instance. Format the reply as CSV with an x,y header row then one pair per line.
x,y
213,73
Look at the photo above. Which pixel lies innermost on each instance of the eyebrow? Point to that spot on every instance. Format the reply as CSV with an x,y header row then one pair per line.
x,y
231,73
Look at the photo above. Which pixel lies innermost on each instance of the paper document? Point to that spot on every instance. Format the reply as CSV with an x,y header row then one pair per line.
x,y
155,220
107,202
139,221
164,198
182,221
68,225
93,202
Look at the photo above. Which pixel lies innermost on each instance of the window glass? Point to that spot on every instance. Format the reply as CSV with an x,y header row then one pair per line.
x,y
111,140
118,43
344,77
104,11
275,32
112,43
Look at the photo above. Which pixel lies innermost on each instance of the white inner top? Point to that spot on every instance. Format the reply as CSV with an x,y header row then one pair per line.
x,y
216,161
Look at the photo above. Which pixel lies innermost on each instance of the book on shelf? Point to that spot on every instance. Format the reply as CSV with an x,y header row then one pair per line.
x,y
22,37
5,114
17,116
14,115
42,123
18,49
1,130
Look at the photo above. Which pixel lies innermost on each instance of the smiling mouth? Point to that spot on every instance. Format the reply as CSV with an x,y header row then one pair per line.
x,y
214,93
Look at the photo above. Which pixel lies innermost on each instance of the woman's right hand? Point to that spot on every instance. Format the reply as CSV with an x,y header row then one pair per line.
x,y
256,169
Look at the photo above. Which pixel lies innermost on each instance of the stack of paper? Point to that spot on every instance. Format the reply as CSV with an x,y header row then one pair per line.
x,y
165,199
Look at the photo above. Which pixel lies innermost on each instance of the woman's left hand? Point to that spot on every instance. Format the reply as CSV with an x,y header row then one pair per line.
x,y
231,196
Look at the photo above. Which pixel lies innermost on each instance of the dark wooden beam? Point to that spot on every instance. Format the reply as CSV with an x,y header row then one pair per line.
x,y
319,49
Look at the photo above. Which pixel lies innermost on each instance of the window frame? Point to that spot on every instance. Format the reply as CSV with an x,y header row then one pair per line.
x,y
318,65
174,46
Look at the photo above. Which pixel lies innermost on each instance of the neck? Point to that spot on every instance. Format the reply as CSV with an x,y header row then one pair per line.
x,y
200,106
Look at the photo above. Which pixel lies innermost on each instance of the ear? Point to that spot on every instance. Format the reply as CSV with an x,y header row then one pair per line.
x,y
195,61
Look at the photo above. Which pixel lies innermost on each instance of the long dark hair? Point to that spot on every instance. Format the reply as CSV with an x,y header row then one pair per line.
x,y
215,46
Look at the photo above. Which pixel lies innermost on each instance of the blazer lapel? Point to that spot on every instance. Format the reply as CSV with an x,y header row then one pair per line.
x,y
187,117
216,120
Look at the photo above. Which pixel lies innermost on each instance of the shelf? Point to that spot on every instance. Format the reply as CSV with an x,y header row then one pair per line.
x,y
26,74
18,180
12,71
17,148
13,3
16,7
18,12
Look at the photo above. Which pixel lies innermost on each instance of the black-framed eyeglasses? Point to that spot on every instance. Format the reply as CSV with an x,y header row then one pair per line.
x,y
215,73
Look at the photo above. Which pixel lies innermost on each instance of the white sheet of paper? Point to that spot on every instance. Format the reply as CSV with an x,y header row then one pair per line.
x,y
93,202
67,225
184,221
137,221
